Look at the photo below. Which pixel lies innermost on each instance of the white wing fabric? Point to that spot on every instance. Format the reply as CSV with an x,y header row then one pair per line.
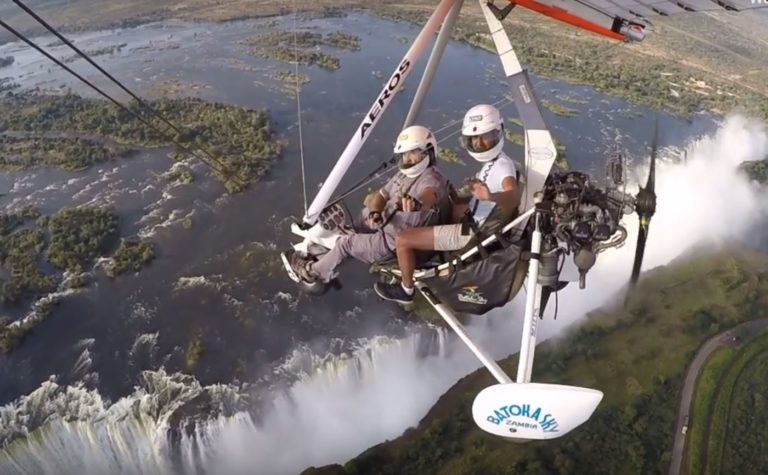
x,y
629,19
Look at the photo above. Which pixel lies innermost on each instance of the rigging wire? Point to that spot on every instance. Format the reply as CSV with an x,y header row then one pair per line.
x,y
222,167
298,106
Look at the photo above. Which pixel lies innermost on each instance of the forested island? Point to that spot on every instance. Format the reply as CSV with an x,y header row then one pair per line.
x,y
69,241
301,47
291,82
74,132
68,153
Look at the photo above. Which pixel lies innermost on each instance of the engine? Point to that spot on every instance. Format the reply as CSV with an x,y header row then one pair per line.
x,y
581,219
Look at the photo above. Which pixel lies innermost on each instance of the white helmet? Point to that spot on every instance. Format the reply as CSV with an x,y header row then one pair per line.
x,y
415,137
479,120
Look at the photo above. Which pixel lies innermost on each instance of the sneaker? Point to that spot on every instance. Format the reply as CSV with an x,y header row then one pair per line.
x,y
393,292
300,265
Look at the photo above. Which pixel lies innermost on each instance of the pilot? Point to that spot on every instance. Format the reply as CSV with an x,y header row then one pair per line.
x,y
483,138
416,196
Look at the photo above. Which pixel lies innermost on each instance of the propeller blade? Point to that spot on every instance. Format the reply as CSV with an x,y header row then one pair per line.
x,y
645,205
651,183
642,235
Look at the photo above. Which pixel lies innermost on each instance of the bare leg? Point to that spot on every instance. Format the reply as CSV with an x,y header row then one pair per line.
x,y
406,243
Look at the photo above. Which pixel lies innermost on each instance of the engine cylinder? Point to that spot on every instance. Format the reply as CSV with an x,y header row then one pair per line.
x,y
548,272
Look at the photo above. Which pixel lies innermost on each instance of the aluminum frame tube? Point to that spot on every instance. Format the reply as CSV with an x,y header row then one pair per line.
x,y
532,299
457,327
433,63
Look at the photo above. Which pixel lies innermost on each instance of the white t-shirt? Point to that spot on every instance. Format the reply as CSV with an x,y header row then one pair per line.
x,y
493,173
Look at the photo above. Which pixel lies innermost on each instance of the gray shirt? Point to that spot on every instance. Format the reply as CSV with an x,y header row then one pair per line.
x,y
399,186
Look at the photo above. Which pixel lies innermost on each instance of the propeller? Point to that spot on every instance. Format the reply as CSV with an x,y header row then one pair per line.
x,y
645,206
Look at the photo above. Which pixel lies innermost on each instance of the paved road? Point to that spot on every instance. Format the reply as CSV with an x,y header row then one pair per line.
x,y
721,339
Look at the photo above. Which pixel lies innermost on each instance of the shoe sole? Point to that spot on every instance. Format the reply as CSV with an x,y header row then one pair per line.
x,y
401,302
291,274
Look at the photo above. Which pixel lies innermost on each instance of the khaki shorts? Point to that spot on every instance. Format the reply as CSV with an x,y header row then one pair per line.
x,y
449,237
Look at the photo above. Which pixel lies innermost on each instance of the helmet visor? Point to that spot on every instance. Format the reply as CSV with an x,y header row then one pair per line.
x,y
482,142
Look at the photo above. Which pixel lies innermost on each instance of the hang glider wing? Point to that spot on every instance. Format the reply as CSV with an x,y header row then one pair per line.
x,y
629,20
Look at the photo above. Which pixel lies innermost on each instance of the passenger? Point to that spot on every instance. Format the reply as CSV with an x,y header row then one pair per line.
x,y
416,196
483,137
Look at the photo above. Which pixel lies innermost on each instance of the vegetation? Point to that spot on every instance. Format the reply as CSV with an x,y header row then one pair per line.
x,y
514,138
80,234
722,406
557,109
342,40
19,252
635,356
131,256
709,379
96,52
561,160
195,349
715,413
301,47
644,74
756,170
571,97
449,155
181,173
9,222
744,448
7,85
169,88
304,39
70,240
289,55
12,334
718,50
71,154
239,139
292,82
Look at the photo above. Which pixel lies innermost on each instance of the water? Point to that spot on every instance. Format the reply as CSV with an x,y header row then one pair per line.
x,y
222,277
